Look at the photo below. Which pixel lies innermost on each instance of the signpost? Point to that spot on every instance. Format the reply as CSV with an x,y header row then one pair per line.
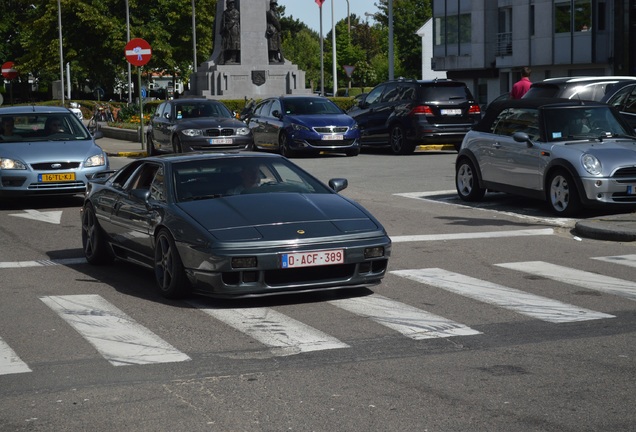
x,y
9,72
138,53
349,70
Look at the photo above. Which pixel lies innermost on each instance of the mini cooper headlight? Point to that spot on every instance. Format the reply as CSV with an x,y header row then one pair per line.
x,y
192,132
591,164
11,164
97,160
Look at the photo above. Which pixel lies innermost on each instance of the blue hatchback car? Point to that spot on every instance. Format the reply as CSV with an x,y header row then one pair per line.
x,y
303,124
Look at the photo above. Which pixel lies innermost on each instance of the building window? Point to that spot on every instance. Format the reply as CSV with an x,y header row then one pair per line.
x,y
439,31
465,28
562,17
582,15
531,20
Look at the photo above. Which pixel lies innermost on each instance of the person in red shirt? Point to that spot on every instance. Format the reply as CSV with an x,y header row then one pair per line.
x,y
523,85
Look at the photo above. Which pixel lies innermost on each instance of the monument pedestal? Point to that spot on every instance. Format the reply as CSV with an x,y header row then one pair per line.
x,y
254,77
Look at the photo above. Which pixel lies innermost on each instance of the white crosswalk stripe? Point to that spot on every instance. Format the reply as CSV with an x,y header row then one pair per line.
x,y
407,320
576,277
10,363
283,334
626,260
122,341
521,302
114,334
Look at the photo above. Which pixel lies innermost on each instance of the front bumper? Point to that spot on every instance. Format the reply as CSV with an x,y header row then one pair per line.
x,y
196,144
27,183
608,191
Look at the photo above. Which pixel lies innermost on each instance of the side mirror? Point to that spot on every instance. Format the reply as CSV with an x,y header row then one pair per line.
x,y
140,195
522,137
98,134
338,184
276,114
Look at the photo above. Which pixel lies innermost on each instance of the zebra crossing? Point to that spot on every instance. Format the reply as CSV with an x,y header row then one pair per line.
x,y
120,340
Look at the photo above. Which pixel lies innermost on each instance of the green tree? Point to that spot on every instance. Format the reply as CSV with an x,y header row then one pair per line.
x,y
408,17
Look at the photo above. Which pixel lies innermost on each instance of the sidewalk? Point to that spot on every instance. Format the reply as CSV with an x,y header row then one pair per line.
x,y
121,148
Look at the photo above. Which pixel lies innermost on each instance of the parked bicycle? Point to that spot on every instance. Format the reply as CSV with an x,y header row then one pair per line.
x,y
101,113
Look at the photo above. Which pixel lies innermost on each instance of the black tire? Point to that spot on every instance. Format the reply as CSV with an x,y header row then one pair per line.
x,y
458,146
562,194
283,146
467,182
176,145
152,151
169,272
399,144
96,249
92,125
353,152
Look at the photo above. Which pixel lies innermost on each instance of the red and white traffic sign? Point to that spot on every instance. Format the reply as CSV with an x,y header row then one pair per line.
x,y
8,71
138,52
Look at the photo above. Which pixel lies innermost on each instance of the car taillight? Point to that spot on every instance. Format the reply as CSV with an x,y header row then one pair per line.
x,y
422,110
474,109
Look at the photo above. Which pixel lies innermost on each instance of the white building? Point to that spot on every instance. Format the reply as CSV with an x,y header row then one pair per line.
x,y
426,33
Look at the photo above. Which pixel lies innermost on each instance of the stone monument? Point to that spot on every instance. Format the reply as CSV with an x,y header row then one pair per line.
x,y
247,59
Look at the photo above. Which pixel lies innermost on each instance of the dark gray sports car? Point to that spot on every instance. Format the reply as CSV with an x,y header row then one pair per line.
x,y
233,225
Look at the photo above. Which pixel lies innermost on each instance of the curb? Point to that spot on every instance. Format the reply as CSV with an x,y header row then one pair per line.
x,y
607,229
141,153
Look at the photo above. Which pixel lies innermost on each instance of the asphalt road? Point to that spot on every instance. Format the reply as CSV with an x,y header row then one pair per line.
x,y
493,317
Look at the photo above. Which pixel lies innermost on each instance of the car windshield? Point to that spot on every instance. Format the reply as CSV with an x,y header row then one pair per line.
x,y
198,109
58,126
582,122
215,178
310,106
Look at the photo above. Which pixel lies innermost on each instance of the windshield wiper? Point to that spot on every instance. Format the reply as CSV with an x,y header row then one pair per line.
x,y
202,197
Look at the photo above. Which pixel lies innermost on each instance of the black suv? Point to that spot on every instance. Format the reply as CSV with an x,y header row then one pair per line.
x,y
405,113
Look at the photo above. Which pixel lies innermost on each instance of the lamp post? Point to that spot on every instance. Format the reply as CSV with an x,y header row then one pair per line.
x,y
194,38
127,40
59,23
391,39
333,44
348,20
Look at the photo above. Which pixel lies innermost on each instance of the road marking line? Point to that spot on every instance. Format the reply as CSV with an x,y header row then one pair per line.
x,y
284,335
474,235
42,263
10,363
561,222
626,260
407,320
114,334
576,277
521,302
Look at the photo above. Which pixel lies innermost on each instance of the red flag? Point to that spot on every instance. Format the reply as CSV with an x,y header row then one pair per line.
x,y
319,3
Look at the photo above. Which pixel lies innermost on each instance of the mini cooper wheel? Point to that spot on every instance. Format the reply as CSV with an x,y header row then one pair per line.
x,y
96,249
399,144
563,196
466,181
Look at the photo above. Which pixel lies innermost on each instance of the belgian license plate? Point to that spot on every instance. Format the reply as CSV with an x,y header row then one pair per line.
x,y
221,141
333,137
312,259
57,177
631,190
451,112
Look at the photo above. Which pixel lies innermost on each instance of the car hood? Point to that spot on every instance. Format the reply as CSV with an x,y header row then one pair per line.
x,y
612,153
50,151
209,122
279,216
318,120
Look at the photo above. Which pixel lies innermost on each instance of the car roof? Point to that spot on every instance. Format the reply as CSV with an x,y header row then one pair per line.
x,y
584,79
32,109
533,103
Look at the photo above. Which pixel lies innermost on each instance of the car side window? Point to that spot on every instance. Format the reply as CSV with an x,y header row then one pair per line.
x,y
142,179
630,102
391,94
374,95
407,92
160,109
262,110
158,186
275,107
515,120
621,97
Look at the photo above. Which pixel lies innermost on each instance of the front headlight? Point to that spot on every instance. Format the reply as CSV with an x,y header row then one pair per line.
x,y
355,126
243,131
591,164
11,164
298,127
97,160
192,132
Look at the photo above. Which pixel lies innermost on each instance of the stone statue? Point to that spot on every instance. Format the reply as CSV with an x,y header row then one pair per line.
x,y
274,43
231,34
